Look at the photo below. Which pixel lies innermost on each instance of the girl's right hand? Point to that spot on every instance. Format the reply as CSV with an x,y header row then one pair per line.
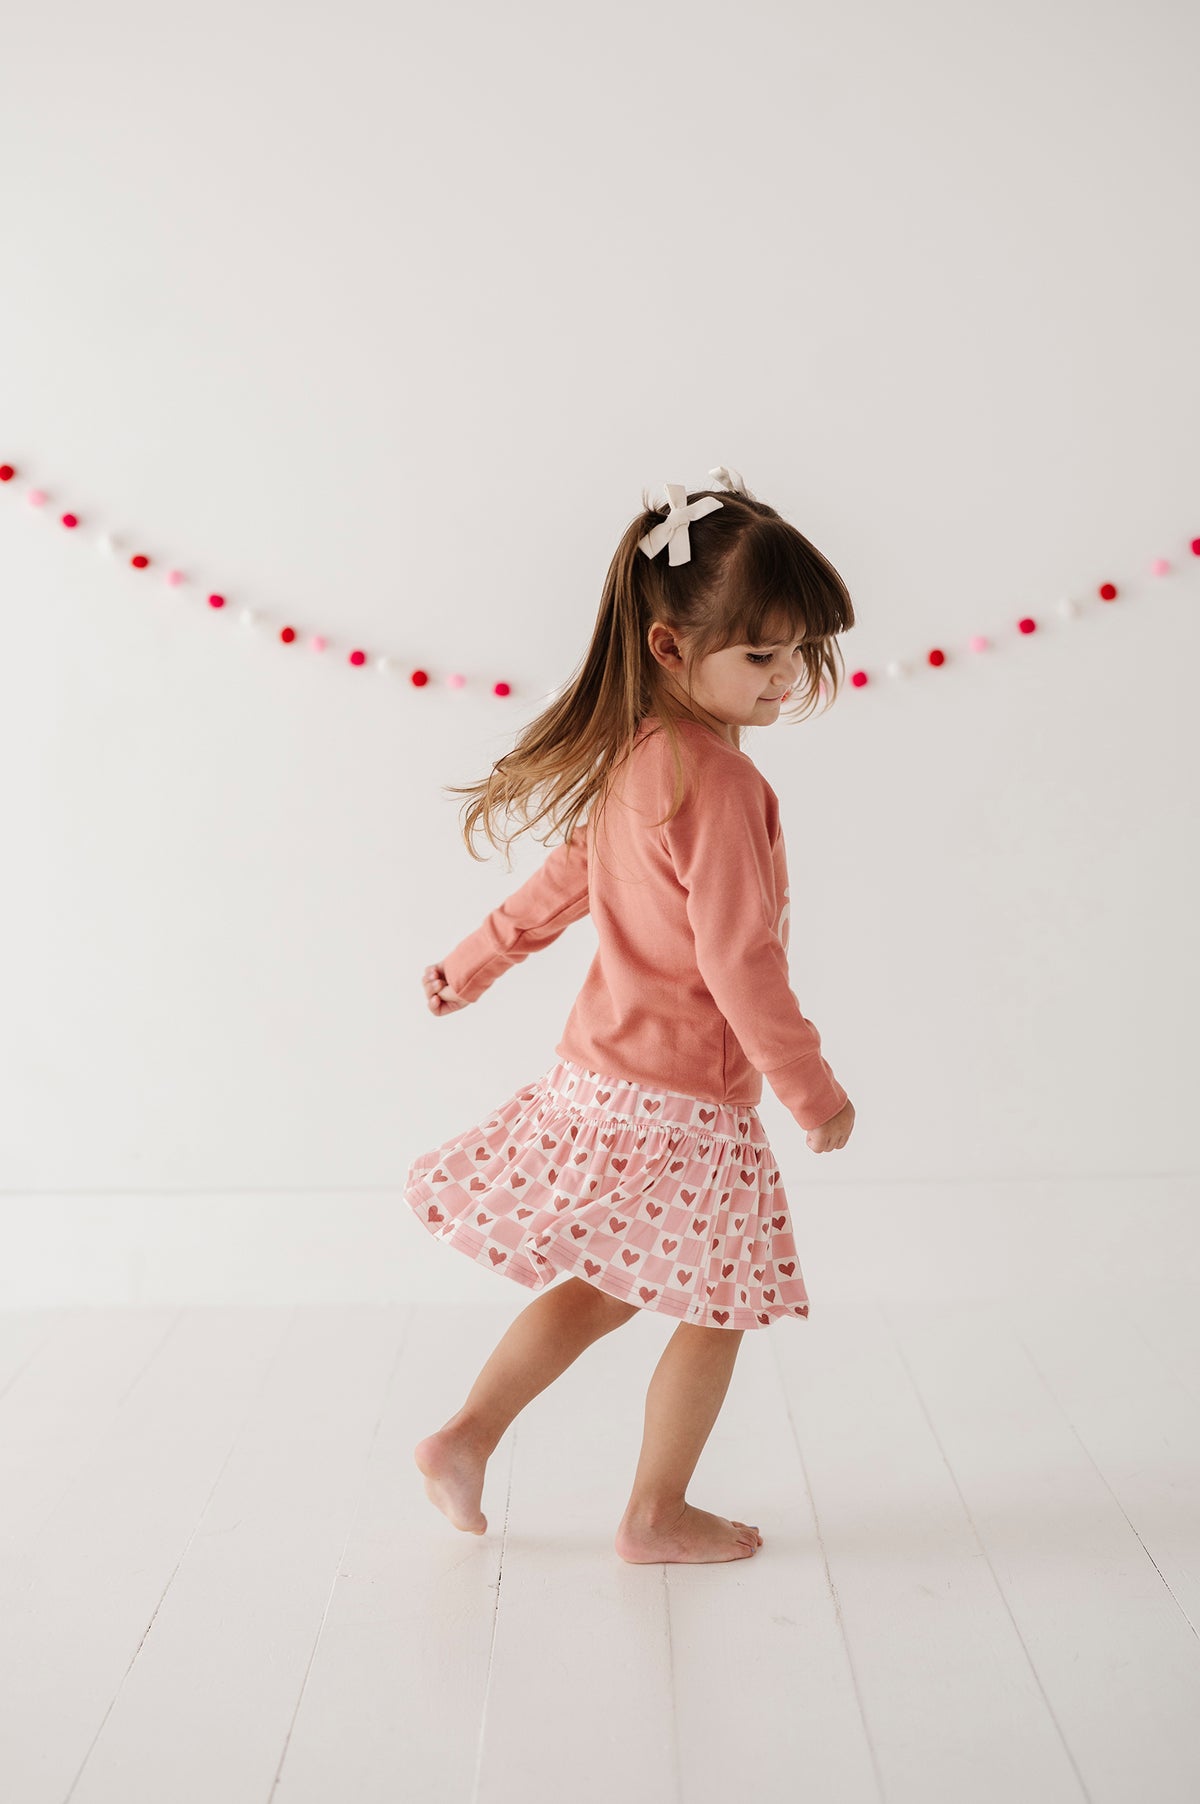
x,y
441,998
833,1133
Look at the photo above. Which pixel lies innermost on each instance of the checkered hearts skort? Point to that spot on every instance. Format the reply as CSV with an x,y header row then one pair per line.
x,y
660,1199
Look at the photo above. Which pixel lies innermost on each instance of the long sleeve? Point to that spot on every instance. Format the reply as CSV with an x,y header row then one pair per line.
x,y
534,915
721,845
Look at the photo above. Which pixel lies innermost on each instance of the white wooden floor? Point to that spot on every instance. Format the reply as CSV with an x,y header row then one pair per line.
x,y
220,1579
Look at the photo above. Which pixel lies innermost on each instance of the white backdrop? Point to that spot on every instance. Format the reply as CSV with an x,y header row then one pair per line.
x,y
379,319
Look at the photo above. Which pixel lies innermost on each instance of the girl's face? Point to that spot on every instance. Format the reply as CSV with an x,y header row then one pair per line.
x,y
742,685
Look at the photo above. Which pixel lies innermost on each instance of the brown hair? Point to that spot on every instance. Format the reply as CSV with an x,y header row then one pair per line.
x,y
752,579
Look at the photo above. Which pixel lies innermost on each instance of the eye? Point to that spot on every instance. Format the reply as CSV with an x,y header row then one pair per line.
x,y
761,657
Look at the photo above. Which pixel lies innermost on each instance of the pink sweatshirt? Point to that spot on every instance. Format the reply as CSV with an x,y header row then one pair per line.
x,y
688,989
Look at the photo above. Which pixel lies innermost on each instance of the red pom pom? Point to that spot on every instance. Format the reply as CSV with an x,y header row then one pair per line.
x,y
288,634
1195,542
139,562
7,473
859,678
420,678
358,657
216,601
501,689
937,657
1027,625
1108,591
70,520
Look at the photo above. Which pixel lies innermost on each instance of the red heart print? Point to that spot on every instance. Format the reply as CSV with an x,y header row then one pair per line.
x,y
541,1240
435,1213
647,1295
477,1184
743,1296
580,1158
789,1268
747,1177
725,1196
593,1183
702,1151
481,1152
578,1230
517,1180
609,1139
726,1271
439,1177
590,1267
683,1276
698,1227
651,1106
561,1203
548,1141
769,1295
603,1095
630,1258
669,1246
764,1318
616,1224
716,1242
721,1315
687,1197
495,1255
758,1274
653,1209
482,1217
620,1164
738,1224
677,1165
552,1176
777,1221
522,1213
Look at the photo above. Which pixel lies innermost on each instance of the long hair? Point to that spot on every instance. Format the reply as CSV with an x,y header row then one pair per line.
x,y
752,579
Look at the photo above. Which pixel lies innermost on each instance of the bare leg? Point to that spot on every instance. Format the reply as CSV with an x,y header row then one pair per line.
x,y
682,1403
547,1337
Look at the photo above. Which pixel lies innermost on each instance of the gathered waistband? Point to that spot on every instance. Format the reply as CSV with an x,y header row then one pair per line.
x,y
640,1105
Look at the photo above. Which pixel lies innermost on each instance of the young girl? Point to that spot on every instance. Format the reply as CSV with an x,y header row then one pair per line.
x,y
637,1164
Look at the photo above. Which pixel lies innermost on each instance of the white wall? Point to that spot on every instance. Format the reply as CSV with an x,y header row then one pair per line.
x,y
379,319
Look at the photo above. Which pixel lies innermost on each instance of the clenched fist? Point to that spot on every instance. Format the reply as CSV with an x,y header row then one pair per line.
x,y
439,995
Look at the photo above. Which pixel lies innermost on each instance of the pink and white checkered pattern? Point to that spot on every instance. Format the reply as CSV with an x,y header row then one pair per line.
x,y
657,1198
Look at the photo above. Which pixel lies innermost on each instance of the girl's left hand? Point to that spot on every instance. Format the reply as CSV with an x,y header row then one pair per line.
x,y
441,998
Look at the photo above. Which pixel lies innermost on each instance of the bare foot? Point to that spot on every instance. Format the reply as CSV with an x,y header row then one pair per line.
x,y
453,1468
693,1534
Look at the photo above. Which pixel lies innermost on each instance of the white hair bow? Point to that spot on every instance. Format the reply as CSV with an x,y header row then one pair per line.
x,y
723,478
673,531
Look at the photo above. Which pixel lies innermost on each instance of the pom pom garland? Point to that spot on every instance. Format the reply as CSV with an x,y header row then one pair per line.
x,y
1067,606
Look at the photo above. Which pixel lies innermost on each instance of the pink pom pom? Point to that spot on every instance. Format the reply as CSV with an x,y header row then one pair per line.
x,y
318,643
455,680
1159,566
175,577
36,497
980,642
